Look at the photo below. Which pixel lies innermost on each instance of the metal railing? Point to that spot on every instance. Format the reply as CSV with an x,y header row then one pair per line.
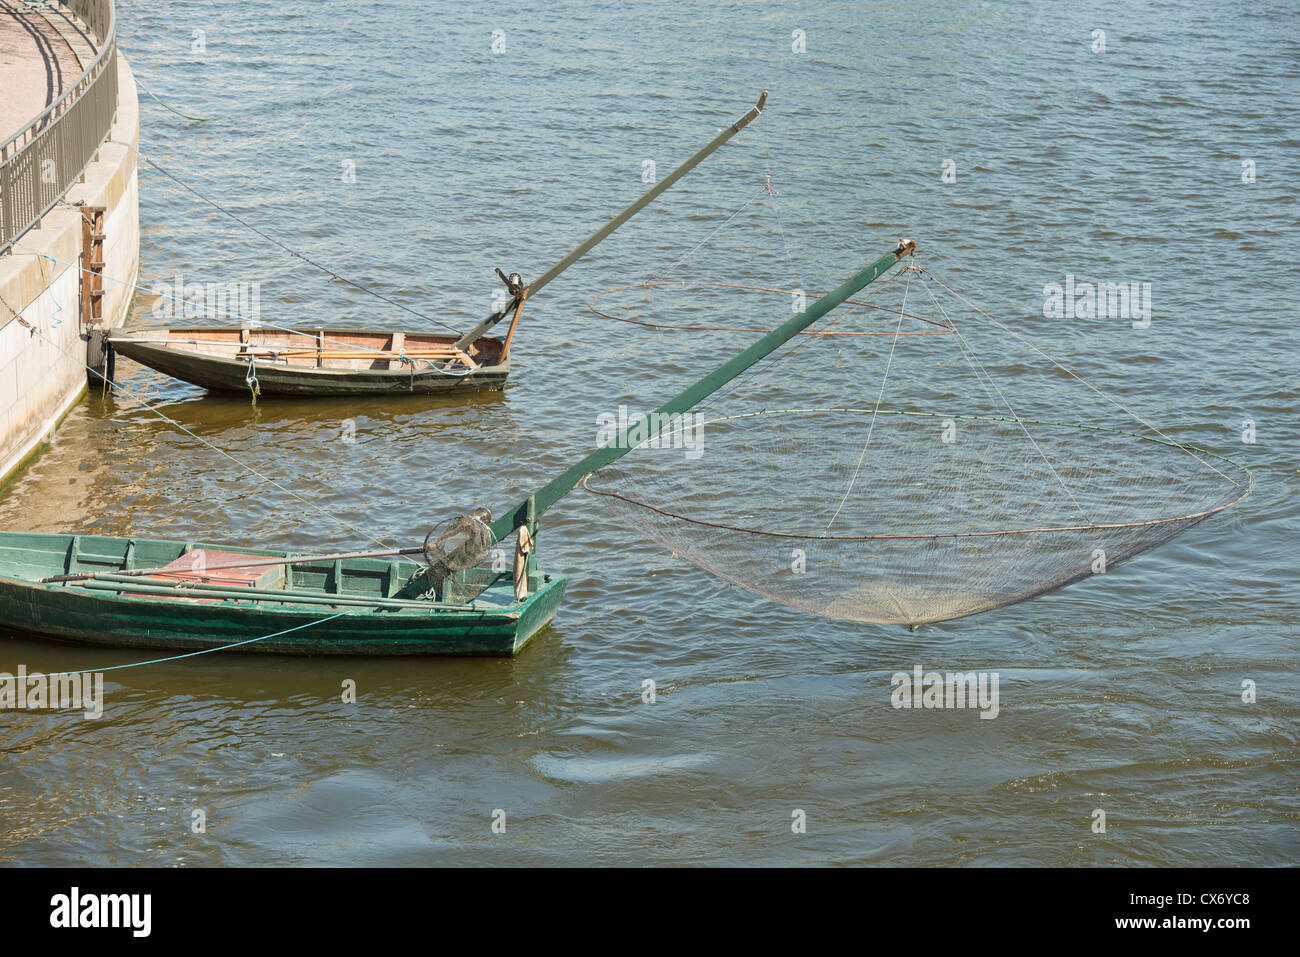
x,y
40,162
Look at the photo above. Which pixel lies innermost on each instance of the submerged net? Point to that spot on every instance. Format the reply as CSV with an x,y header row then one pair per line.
x,y
950,485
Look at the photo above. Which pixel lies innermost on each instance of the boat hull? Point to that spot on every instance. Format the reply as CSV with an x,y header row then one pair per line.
x,y
493,625
219,373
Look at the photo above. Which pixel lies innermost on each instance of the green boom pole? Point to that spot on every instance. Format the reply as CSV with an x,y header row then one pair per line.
x,y
561,485
590,242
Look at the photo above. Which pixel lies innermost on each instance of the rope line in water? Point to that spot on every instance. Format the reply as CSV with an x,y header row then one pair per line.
x,y
262,323
141,156
188,654
293,252
166,418
1073,374
197,119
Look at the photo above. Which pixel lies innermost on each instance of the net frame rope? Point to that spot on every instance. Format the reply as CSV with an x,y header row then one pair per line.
x,y
1089,526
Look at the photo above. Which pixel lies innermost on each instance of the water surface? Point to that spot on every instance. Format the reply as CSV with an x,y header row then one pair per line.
x,y
1120,694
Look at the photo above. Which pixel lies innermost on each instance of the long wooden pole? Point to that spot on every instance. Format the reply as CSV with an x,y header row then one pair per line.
x,y
590,242
561,485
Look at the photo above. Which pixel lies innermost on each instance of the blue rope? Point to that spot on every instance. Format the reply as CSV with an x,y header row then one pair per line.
x,y
58,306
191,654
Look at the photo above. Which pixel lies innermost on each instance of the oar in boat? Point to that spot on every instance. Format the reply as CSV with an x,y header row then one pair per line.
x,y
377,605
307,363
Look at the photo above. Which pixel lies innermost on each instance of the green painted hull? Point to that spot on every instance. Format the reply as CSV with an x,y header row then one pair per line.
x,y
492,624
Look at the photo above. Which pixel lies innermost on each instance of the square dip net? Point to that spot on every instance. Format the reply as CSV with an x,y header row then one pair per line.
x,y
909,459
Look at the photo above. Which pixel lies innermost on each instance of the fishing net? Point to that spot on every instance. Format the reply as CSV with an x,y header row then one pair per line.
x,y
453,550
952,483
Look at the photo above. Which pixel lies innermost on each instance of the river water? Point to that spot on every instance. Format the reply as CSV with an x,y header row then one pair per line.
x,y
392,144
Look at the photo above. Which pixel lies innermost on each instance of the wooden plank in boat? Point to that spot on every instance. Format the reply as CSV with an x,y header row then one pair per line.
x,y
192,567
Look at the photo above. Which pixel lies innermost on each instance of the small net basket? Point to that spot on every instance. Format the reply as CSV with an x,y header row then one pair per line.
x,y
454,552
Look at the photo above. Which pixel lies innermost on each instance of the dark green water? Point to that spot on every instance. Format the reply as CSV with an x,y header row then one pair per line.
x,y
1120,693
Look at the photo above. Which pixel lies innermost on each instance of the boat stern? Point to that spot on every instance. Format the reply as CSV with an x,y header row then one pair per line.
x,y
538,610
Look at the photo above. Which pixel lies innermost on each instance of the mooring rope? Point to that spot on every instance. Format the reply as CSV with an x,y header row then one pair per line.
x,y
169,420
250,379
293,252
400,356
197,119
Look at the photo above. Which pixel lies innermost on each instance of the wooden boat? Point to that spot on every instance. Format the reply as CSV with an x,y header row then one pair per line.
x,y
275,361
165,594
197,608
327,362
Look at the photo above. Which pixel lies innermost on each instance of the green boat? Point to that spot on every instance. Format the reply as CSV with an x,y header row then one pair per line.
x,y
340,607
433,599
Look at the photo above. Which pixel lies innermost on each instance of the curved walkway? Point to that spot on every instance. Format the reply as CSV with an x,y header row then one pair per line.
x,y
36,65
